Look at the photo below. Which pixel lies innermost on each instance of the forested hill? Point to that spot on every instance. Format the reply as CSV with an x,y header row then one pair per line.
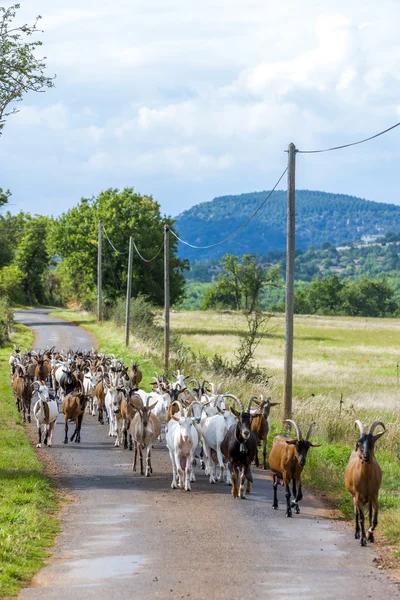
x,y
320,217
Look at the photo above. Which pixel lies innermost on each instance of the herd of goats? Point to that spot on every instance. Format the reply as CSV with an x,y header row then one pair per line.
x,y
195,415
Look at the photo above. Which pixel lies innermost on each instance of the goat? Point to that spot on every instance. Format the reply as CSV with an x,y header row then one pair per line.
x,y
22,387
261,425
43,369
73,407
135,376
286,461
214,429
113,401
99,396
145,429
128,411
182,441
362,478
239,447
162,403
45,412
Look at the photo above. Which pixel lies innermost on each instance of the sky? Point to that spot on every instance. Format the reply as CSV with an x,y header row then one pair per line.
x,y
189,100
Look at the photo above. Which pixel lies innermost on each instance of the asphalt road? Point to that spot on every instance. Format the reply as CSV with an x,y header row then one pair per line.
x,y
126,536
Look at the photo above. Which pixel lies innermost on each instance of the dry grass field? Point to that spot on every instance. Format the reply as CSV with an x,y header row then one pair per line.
x,y
356,357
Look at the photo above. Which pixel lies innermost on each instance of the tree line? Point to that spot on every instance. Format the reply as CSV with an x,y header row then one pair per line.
x,y
48,260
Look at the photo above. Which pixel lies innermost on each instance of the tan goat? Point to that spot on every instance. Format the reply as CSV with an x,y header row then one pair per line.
x,y
73,407
286,461
362,479
145,428
260,425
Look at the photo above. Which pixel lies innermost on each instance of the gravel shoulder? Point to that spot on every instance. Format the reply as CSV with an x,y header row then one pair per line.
x,y
129,536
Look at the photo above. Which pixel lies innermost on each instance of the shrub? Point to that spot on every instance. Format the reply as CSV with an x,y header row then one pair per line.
x,y
6,319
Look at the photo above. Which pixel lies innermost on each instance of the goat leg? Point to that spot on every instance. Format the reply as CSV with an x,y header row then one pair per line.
x,y
172,457
39,445
373,510
288,507
148,461
141,459
66,430
275,486
265,454
360,510
297,495
234,476
134,457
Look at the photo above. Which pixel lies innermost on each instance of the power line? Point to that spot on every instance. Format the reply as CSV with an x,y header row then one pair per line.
x,y
146,259
111,244
348,145
237,230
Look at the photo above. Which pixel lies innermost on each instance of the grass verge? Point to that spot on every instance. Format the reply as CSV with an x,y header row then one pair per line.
x,y
28,501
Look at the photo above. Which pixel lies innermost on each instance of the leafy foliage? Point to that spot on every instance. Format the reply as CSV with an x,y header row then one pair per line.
x,y
20,69
240,284
124,213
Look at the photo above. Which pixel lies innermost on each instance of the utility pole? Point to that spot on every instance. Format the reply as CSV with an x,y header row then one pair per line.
x,y
290,248
99,274
128,292
166,298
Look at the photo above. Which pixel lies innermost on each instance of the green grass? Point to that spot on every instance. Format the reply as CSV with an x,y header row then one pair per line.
x,y
28,501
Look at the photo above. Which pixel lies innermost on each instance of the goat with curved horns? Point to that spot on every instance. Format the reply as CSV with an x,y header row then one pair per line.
x,y
286,461
362,479
239,447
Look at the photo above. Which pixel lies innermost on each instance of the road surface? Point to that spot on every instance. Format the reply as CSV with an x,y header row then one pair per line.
x,y
128,537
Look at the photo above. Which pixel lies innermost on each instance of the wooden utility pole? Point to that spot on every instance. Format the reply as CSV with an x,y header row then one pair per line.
x,y
99,274
128,292
166,298
290,248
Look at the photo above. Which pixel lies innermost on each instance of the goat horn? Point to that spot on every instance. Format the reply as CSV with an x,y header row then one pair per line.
x,y
299,436
375,425
235,399
360,426
309,430
250,403
219,387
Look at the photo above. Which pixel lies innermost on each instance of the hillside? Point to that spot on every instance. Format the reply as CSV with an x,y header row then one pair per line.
x,y
320,217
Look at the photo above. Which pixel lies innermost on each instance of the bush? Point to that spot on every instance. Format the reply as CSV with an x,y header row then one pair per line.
x,y
142,316
6,319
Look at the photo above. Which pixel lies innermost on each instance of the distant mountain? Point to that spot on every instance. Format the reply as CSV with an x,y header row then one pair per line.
x,y
320,217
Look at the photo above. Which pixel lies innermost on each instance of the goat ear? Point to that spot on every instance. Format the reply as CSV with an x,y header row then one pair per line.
x,y
235,412
174,418
291,442
152,405
314,445
274,403
378,435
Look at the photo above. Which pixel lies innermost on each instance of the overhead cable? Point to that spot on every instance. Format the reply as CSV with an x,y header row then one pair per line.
x,y
146,259
348,145
237,230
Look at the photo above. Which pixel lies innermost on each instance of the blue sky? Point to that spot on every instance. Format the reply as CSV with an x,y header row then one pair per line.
x,y
191,100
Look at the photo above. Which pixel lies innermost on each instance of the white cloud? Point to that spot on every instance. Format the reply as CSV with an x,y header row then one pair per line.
x,y
160,95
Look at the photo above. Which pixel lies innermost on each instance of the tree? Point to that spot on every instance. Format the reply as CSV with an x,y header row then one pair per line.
x,y
20,70
241,283
123,213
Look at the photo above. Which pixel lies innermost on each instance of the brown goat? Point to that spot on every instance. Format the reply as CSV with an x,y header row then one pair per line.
x,y
128,410
286,461
135,376
100,394
22,387
145,429
73,407
362,479
42,369
260,426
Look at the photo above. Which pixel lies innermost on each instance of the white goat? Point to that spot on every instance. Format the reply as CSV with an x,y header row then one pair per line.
x,y
113,401
162,404
45,412
214,429
182,441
